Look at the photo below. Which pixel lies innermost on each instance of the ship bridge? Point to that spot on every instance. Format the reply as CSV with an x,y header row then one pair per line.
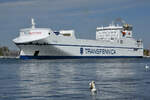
x,y
114,32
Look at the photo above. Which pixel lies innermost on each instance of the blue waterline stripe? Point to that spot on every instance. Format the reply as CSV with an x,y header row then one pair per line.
x,y
75,57
79,45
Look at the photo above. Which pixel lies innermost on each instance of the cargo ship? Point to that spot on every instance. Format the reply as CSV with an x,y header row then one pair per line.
x,y
112,41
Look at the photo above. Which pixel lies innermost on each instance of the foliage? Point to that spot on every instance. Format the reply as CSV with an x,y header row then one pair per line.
x,y
4,51
146,52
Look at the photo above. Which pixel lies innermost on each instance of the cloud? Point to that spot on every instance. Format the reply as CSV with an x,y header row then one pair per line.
x,y
81,15
72,7
57,9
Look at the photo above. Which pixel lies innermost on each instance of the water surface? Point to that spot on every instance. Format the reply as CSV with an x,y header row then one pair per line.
x,y
116,79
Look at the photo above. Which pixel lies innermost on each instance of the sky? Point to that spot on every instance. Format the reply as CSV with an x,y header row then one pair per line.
x,y
81,15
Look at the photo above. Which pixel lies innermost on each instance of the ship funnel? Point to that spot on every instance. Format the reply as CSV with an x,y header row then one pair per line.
x,y
33,23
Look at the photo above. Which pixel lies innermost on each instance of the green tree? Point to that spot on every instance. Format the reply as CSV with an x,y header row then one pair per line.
x,y
4,51
146,52
1,53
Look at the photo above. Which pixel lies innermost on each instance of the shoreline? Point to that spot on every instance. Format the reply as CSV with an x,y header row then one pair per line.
x,y
146,56
7,57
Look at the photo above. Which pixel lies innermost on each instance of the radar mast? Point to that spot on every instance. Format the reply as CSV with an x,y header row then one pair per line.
x,y
33,23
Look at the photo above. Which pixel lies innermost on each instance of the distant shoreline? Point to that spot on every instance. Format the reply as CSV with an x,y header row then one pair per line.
x,y
146,56
5,57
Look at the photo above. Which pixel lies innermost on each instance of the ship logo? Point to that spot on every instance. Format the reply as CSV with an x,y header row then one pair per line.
x,y
81,51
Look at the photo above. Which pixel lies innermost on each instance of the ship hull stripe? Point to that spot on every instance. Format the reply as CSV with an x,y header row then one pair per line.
x,y
74,57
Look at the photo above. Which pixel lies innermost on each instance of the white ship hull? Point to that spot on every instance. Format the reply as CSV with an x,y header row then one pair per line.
x,y
111,42
49,48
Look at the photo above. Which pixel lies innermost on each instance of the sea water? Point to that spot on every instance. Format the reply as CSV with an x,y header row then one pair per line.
x,y
68,79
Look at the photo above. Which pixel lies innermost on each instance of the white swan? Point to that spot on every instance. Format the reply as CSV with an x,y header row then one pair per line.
x,y
146,67
92,87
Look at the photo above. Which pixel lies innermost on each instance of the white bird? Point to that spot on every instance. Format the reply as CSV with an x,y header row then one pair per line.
x,y
92,87
146,67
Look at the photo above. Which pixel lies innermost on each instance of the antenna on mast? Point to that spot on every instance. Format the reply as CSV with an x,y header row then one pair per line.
x,y
33,23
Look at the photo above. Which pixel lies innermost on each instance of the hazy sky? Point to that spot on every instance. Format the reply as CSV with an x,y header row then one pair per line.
x,y
81,15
